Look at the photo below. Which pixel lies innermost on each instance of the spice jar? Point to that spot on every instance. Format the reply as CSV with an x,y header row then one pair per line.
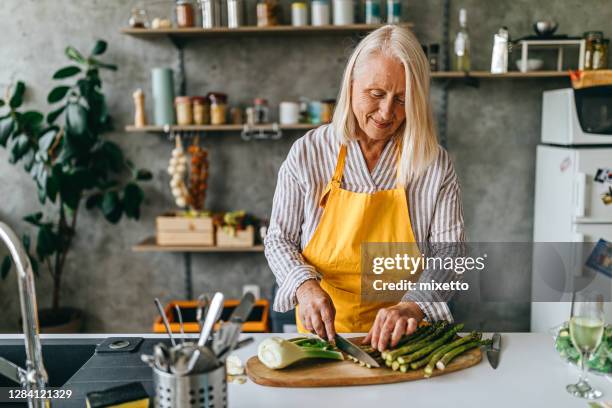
x,y
327,110
261,111
320,12
372,12
299,15
218,108
600,54
138,18
267,13
344,12
237,115
184,14
591,38
183,110
201,110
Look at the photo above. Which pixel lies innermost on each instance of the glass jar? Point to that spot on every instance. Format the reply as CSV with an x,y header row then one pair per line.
x,y
600,54
218,108
262,111
319,12
299,14
372,12
268,12
185,14
201,110
591,37
184,115
344,12
327,110
138,18
237,115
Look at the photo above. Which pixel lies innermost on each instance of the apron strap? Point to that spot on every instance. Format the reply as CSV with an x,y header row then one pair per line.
x,y
337,177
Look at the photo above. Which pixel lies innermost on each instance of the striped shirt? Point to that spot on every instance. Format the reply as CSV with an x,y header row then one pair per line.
x,y
433,199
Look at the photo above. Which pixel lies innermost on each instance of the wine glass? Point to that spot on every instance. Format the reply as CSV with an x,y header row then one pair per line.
x,y
586,331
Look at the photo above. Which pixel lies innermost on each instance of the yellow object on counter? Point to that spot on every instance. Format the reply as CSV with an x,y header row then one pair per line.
x,y
132,395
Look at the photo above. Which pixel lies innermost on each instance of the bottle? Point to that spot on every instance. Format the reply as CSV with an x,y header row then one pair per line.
x,y
462,44
499,59
394,11
434,57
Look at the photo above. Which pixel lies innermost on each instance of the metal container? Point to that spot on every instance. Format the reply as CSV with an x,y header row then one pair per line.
x,y
211,13
202,390
234,13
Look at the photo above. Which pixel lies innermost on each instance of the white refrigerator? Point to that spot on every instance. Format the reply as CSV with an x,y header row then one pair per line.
x,y
568,201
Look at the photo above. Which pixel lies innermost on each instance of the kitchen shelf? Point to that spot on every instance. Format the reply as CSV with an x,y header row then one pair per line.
x,y
150,245
227,32
511,74
214,128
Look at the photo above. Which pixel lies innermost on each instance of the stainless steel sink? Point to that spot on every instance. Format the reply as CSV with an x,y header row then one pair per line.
x,y
62,359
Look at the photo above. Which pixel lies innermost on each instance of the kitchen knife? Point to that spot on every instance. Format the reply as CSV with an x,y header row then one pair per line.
x,y
354,351
493,351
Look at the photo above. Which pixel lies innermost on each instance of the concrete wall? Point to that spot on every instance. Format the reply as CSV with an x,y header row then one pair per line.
x,y
492,133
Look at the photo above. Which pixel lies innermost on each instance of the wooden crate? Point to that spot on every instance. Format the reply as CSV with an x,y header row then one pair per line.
x,y
175,230
243,238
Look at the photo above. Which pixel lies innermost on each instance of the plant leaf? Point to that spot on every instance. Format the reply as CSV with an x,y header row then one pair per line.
x,y
99,48
34,218
58,93
17,97
74,55
53,115
76,118
6,128
19,149
132,199
144,175
52,187
111,207
66,72
25,239
6,266
47,139
93,201
46,242
32,118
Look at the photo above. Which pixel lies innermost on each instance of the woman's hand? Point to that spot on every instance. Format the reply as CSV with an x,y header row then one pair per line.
x,y
392,323
317,310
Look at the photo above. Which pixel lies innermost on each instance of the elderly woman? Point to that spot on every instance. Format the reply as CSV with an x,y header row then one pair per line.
x,y
375,174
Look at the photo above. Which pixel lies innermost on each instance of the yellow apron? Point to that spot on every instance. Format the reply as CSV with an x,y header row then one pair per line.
x,y
350,219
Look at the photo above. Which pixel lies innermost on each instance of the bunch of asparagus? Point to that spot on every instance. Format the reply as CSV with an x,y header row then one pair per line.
x,y
433,346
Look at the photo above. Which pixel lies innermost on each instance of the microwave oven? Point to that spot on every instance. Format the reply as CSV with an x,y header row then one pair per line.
x,y
577,116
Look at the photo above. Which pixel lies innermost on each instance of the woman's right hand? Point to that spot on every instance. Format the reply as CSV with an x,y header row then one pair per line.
x,y
316,309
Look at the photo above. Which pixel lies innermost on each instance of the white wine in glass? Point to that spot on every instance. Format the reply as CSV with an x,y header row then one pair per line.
x,y
586,331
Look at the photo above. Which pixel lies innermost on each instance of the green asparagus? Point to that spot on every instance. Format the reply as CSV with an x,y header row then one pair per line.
x,y
406,349
415,365
440,352
443,362
424,351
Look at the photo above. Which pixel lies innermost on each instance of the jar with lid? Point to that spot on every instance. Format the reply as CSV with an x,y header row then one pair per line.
x,y
211,13
138,18
600,54
299,14
185,13
268,12
183,110
234,13
591,38
327,110
218,108
319,12
372,12
262,111
201,110
344,12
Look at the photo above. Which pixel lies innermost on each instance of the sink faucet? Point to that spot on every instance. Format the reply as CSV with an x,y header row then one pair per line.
x,y
34,377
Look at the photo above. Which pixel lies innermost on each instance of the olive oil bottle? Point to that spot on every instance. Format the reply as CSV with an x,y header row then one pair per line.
x,y
462,44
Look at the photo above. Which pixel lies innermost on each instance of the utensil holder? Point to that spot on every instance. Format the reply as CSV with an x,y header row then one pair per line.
x,y
201,390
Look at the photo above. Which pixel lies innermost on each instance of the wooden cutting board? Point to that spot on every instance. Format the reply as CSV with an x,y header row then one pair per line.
x,y
322,373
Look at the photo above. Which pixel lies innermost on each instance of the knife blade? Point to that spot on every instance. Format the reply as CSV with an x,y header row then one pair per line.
x,y
354,351
493,351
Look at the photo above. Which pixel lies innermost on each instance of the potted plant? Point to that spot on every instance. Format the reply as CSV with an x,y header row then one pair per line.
x,y
72,165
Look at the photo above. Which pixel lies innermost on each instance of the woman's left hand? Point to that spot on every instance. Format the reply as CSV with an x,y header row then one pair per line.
x,y
392,323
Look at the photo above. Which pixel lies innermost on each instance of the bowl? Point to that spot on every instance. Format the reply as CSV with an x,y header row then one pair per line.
x,y
545,28
533,64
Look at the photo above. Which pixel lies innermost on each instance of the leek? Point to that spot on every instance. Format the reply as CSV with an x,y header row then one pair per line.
x,y
277,353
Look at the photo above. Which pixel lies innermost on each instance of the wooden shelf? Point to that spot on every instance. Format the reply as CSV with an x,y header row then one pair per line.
x,y
240,31
214,128
511,74
150,245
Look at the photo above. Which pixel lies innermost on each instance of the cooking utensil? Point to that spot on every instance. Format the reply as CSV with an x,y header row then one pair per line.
x,y
162,357
231,330
203,303
12,371
177,309
148,360
160,309
354,351
227,349
493,350
214,312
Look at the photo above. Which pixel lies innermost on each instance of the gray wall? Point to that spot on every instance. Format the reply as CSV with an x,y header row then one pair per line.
x,y
492,133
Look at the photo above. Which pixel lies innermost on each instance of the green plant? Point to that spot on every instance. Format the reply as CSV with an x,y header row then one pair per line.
x,y
69,160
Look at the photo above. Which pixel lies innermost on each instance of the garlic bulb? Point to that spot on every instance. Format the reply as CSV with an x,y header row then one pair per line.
x,y
177,169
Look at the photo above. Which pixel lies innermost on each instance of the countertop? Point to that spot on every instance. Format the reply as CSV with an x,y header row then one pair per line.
x,y
530,374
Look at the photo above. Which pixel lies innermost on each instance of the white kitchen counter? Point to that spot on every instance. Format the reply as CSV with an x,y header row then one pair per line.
x,y
530,374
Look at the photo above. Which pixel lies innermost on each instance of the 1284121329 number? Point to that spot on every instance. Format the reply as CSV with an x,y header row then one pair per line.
x,y
12,394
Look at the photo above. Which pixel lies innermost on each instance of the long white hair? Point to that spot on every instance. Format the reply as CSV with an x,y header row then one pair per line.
x,y
419,145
